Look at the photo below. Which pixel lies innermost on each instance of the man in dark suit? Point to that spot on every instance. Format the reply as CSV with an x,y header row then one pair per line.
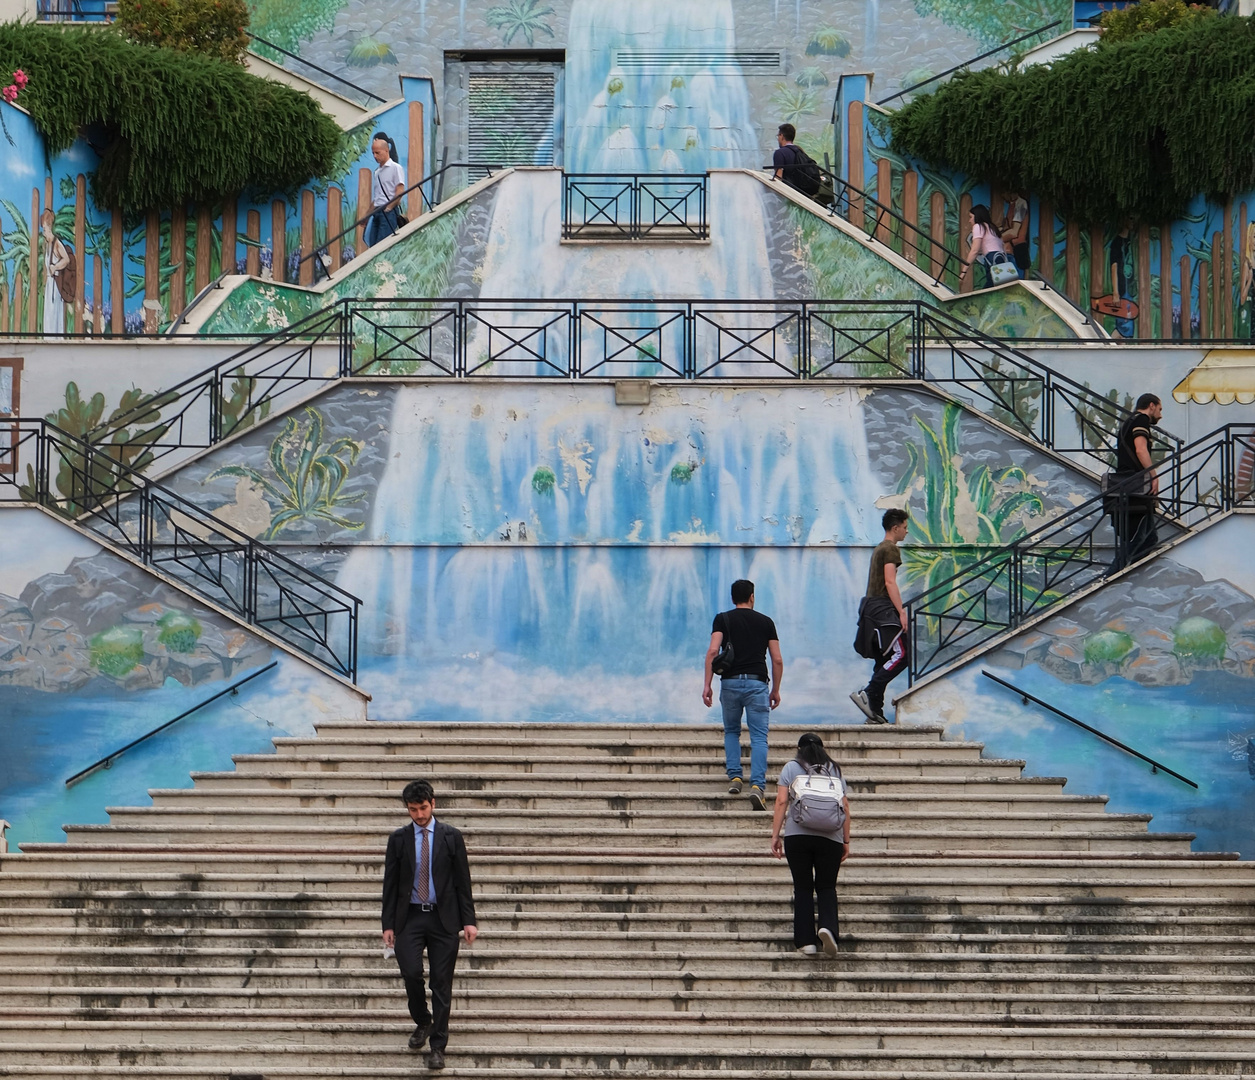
x,y
427,902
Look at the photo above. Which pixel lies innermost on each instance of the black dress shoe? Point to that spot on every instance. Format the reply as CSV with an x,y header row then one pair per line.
x,y
435,1060
420,1035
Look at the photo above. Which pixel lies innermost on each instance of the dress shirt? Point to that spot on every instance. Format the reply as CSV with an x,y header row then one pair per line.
x,y
430,830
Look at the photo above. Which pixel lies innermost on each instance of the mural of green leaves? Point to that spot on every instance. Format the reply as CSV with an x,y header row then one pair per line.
x,y
525,17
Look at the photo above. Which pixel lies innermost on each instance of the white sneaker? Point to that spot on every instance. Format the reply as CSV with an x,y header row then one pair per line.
x,y
808,950
859,697
829,942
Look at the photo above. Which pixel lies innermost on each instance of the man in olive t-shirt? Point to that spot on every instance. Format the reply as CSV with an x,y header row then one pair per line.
x,y
882,603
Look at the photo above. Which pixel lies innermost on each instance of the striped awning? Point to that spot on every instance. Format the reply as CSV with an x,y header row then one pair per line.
x,y
1224,376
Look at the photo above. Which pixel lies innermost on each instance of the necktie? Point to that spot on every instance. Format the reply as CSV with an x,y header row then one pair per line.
x,y
424,869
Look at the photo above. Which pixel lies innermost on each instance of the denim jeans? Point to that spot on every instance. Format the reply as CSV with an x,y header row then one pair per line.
x,y
382,224
739,694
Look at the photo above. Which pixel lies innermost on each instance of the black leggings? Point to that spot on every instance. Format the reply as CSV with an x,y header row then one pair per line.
x,y
813,862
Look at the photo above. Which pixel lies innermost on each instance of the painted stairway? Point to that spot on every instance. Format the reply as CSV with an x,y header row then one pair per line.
x,y
632,921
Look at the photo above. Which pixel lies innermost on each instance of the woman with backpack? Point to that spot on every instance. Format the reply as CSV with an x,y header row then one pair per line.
x,y
986,242
811,828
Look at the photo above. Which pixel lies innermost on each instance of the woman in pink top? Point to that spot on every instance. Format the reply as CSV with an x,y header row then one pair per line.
x,y
986,240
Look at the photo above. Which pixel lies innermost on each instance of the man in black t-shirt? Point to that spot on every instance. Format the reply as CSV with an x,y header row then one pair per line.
x,y
1134,490
743,687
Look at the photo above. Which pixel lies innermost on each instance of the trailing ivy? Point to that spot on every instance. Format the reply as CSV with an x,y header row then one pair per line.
x,y
1131,131
171,127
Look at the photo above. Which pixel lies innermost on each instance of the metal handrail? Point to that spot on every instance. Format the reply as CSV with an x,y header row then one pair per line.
x,y
1026,697
973,60
99,489
1010,583
1049,286
107,761
311,64
173,328
320,250
602,193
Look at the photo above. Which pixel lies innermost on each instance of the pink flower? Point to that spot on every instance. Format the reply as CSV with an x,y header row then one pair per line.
x,y
9,93
20,77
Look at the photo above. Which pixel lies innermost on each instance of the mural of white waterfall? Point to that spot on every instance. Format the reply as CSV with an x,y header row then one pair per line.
x,y
636,105
539,553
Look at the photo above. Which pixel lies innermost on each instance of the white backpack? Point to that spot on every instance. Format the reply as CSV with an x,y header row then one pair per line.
x,y
817,801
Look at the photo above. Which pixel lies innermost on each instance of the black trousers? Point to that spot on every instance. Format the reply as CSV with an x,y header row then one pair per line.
x,y
813,862
1135,535
423,930
888,667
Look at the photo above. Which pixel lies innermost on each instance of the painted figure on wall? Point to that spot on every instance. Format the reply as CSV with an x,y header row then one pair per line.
x,y
59,276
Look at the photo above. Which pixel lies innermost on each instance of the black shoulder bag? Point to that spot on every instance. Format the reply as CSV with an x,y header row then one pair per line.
x,y
726,656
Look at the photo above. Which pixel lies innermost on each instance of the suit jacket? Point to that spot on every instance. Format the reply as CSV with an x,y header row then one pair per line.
x,y
449,869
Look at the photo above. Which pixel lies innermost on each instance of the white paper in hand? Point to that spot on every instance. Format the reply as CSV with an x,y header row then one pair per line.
x,y
389,952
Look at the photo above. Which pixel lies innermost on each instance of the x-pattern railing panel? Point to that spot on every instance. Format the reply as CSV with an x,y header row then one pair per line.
x,y
506,341
404,339
748,337
853,344
632,340
622,206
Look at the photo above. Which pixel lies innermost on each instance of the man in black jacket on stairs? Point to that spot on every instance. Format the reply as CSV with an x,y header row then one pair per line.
x,y
427,903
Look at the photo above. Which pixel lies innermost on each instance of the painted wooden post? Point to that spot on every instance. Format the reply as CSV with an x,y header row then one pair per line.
x,y
98,295
204,247
18,297
965,208
152,272
1226,270
1165,281
884,196
1242,254
855,128
117,291
910,212
80,250
230,222
4,308
278,240
252,254
1145,312
1098,265
363,209
936,232
1187,314
414,166
32,295
335,222
1217,278
1072,262
305,272
1204,299
178,260
1046,240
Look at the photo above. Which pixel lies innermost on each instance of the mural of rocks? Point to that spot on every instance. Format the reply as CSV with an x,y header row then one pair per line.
x,y
104,619
1158,628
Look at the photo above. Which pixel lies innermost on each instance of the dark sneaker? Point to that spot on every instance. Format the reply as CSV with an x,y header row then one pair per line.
x,y
859,697
828,941
734,786
420,1035
756,798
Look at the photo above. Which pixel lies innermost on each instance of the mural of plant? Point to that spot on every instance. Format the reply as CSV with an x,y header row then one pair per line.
x,y
811,77
178,631
1199,640
682,472
992,22
237,413
1096,426
306,475
543,480
961,514
367,52
526,17
792,104
828,41
115,651
287,23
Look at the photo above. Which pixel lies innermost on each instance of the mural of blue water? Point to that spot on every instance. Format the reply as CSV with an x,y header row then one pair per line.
x,y
1201,730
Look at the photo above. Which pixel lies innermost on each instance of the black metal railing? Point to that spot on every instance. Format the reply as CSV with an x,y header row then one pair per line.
x,y
973,595
76,10
1026,697
107,761
968,63
368,94
646,206
102,490
591,339
428,200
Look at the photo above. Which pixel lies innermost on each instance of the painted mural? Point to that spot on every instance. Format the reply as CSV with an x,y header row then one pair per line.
x,y
537,552
1164,661
95,652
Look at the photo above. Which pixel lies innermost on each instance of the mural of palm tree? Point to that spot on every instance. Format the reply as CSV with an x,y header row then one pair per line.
x,y
524,17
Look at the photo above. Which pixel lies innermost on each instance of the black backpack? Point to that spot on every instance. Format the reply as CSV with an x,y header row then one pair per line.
x,y
806,175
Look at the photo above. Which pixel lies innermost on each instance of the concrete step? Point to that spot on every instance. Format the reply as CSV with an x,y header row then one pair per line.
x,y
785,735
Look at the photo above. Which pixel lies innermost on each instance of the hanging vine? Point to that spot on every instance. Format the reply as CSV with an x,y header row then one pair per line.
x,y
1130,131
171,127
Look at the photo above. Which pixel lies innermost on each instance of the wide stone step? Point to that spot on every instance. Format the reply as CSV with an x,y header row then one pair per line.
x,y
542,731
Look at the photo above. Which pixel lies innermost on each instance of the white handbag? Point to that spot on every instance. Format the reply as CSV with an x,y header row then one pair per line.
x,y
1001,268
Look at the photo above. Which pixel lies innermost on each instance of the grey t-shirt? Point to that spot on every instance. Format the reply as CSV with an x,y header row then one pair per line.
x,y
788,774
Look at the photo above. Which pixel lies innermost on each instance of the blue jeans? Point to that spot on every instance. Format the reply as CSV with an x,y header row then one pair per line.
x,y
737,694
382,224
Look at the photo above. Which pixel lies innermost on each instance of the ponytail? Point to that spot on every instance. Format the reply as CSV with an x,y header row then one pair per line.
x,y
392,146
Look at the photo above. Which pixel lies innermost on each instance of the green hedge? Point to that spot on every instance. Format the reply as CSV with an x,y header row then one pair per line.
x,y
178,127
1132,130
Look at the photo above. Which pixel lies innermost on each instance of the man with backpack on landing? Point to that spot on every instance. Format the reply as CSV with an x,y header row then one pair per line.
x,y
792,165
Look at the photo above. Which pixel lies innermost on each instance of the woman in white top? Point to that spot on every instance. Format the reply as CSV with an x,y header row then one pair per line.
x,y
815,854
56,259
986,240
386,189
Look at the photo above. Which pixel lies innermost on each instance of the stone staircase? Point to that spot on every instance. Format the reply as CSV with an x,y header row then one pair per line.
x,y
632,920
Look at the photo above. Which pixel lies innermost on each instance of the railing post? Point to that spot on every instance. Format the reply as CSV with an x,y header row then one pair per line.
x,y
804,341
1048,411
345,319
689,362
919,366
574,364
215,406
146,531
459,339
